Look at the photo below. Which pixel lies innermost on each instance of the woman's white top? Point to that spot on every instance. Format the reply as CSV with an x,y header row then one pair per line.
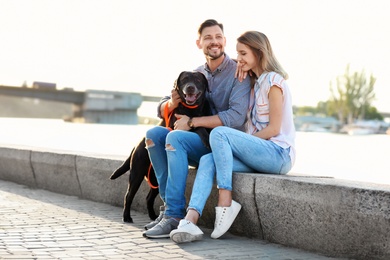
x,y
258,113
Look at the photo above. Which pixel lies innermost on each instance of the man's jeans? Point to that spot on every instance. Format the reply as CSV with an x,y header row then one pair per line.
x,y
171,164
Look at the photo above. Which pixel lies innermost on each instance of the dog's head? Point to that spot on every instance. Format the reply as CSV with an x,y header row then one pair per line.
x,y
192,87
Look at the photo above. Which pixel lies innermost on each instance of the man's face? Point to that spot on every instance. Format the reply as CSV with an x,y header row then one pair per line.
x,y
212,42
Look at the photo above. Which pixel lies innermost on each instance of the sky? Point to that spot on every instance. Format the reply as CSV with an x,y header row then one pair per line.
x,y
142,46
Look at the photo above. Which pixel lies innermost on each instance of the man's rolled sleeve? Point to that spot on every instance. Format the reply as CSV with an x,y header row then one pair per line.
x,y
162,100
235,116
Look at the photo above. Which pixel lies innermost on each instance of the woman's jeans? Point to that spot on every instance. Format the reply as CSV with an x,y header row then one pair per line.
x,y
235,151
171,164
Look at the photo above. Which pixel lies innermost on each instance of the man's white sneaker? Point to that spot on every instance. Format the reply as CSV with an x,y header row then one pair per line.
x,y
186,232
224,218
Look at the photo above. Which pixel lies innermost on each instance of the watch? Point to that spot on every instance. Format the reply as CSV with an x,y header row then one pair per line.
x,y
190,123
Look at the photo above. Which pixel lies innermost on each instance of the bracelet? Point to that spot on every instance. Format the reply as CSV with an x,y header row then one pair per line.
x,y
190,123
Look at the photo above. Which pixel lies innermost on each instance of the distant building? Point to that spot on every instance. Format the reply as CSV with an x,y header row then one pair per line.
x,y
44,85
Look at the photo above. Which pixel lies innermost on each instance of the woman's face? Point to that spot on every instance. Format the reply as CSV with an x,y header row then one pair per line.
x,y
245,57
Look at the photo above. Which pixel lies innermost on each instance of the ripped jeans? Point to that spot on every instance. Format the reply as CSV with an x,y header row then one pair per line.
x,y
170,153
235,151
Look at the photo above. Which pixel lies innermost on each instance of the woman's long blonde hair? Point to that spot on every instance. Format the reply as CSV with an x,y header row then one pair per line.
x,y
261,48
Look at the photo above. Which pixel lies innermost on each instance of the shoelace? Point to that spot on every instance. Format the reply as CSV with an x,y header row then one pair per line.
x,y
163,222
222,216
159,218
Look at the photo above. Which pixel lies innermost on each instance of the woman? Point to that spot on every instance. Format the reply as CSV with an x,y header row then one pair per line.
x,y
267,146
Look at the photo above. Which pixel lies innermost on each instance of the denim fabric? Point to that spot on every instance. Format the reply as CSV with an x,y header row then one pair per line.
x,y
235,151
158,157
229,98
171,165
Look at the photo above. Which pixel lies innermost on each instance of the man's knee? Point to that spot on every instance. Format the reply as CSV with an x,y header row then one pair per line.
x,y
169,147
175,139
149,143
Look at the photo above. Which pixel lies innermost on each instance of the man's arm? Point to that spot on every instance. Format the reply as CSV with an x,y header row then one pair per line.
x,y
207,121
203,121
172,102
235,115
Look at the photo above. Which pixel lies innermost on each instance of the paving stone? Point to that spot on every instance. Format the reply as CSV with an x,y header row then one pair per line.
x,y
38,224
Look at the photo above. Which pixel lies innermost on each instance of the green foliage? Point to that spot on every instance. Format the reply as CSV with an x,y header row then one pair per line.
x,y
350,100
300,111
327,109
371,113
352,96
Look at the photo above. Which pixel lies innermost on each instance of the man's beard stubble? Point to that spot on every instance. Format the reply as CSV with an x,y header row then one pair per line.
x,y
214,57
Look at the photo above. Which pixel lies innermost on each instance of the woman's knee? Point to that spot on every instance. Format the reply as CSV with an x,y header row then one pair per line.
x,y
217,135
219,132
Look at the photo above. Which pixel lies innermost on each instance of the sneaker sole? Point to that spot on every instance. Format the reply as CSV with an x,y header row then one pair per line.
x,y
183,237
156,236
149,227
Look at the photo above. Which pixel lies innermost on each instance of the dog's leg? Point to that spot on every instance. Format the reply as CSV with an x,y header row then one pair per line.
x,y
150,202
139,166
135,180
126,206
153,192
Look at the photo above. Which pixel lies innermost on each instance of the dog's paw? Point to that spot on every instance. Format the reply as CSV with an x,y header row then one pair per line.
x,y
128,220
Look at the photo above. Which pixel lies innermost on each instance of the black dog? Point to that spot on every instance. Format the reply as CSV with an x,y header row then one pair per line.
x,y
192,87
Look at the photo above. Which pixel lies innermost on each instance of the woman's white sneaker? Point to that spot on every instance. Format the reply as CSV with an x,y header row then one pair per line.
x,y
186,232
224,218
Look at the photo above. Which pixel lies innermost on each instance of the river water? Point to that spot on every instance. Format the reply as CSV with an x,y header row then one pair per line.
x,y
360,158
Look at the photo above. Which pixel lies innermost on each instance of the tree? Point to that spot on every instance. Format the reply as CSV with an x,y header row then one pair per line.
x,y
304,110
371,113
353,96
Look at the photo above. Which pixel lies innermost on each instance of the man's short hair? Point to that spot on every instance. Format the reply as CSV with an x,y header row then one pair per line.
x,y
209,23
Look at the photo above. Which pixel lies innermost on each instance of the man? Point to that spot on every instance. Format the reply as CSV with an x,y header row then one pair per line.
x,y
172,152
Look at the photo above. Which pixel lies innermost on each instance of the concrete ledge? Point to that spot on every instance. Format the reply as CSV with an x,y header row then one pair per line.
x,y
324,215
55,172
15,166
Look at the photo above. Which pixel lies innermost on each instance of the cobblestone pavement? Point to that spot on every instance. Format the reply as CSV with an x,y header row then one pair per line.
x,y
38,224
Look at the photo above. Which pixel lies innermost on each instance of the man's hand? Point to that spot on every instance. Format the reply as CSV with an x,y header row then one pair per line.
x,y
240,74
174,101
181,122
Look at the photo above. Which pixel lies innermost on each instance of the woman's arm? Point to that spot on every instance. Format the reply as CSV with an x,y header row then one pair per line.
x,y
275,96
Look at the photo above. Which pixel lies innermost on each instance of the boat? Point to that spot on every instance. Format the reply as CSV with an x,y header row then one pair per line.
x,y
362,127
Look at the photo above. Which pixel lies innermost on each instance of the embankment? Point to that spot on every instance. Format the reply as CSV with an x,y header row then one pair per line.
x,y
325,215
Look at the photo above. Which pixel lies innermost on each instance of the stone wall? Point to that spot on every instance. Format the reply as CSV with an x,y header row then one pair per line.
x,y
325,215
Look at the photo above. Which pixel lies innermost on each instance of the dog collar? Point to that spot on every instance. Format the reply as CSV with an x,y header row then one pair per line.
x,y
188,106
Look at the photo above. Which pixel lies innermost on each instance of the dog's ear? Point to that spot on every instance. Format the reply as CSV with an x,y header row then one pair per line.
x,y
177,81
